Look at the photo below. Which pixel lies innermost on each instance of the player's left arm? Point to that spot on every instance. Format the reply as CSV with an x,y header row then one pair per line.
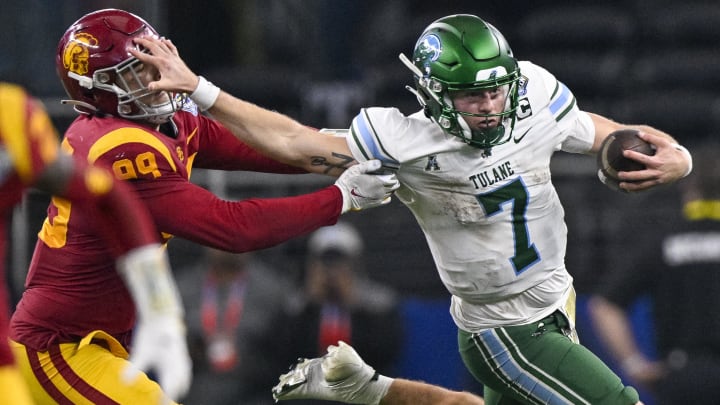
x,y
670,162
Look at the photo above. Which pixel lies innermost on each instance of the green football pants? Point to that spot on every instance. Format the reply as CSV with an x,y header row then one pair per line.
x,y
539,364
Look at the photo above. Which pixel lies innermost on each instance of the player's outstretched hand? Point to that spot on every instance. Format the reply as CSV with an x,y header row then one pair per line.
x,y
175,75
340,375
362,189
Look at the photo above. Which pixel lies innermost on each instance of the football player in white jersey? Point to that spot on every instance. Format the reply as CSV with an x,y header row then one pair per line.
x,y
474,168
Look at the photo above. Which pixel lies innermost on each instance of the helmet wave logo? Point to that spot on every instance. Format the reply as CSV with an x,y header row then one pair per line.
x,y
76,54
430,47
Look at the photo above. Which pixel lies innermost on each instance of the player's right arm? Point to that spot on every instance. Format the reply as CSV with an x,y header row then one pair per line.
x,y
273,134
281,137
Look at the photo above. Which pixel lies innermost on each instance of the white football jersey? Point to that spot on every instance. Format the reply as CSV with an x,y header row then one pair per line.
x,y
494,223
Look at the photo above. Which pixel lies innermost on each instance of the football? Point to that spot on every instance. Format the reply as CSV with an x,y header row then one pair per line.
x,y
610,159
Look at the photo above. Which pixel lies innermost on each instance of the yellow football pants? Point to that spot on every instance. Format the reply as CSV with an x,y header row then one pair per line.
x,y
87,372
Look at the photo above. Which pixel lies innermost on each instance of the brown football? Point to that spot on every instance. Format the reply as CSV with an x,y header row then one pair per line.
x,y
610,159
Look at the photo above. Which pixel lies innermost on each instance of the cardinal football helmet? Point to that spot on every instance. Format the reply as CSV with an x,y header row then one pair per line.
x,y
459,53
101,76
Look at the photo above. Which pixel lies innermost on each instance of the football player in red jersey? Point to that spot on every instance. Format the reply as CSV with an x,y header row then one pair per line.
x,y
152,140
30,157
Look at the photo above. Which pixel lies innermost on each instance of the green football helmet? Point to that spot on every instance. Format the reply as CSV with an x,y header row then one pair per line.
x,y
460,53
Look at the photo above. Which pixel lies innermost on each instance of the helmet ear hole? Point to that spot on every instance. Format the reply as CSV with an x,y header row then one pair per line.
x,y
103,77
124,109
88,96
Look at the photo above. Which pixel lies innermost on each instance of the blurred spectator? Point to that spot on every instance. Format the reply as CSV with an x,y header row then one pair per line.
x,y
231,300
339,303
676,263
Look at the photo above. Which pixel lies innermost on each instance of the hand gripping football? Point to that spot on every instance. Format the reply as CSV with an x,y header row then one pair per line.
x,y
610,159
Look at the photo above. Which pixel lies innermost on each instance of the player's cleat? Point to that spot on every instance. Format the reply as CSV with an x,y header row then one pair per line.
x,y
340,375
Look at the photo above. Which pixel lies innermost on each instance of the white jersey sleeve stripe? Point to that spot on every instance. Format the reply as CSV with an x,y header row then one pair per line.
x,y
561,102
367,142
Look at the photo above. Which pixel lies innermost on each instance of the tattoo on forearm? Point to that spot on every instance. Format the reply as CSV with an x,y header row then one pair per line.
x,y
344,161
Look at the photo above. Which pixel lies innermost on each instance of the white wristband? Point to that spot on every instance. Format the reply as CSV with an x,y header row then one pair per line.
x,y
689,156
205,94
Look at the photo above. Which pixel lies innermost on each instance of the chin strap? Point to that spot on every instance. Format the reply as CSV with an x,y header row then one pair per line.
x,y
421,100
416,71
78,104
419,74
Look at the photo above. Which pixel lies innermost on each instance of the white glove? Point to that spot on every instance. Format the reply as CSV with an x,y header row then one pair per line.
x,y
159,343
362,189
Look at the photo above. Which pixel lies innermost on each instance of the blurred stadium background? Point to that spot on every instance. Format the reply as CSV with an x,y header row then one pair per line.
x,y
638,61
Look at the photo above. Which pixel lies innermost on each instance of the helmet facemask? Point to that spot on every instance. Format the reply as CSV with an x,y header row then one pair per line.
x,y
464,53
135,100
452,122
